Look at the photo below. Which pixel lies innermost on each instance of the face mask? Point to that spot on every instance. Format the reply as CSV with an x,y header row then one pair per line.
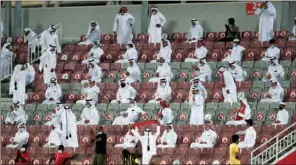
x,y
195,84
126,47
154,12
122,85
100,132
132,105
234,45
162,84
88,105
60,151
22,129
272,46
23,149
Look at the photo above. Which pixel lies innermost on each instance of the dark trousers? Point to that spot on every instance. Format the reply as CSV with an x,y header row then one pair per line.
x,y
99,159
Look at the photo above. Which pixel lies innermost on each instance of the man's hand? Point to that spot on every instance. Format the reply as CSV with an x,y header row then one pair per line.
x,y
54,111
267,95
11,107
160,116
268,76
261,5
158,25
291,34
226,26
86,121
118,113
118,101
127,73
14,143
156,74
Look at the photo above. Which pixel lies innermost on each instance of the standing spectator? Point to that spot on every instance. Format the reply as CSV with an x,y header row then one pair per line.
x,y
267,15
22,156
61,157
123,26
157,20
21,137
232,31
17,115
101,143
129,158
49,37
33,41
272,51
234,151
237,52
293,33
195,32
228,85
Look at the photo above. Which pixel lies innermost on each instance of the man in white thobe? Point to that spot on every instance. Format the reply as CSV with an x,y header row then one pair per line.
x,y
168,138
133,72
267,16
17,115
203,71
242,114
54,137
7,58
53,93
69,128
48,62
275,93
49,37
33,41
163,71
123,26
293,33
131,115
1,28
272,51
163,91
165,52
157,21
237,52
274,71
196,84
56,115
92,92
22,76
237,71
125,92
90,114
282,116
148,143
165,114
250,136
195,32
95,71
93,34
95,53
197,108
200,52
228,86
130,53
21,137
129,141
207,139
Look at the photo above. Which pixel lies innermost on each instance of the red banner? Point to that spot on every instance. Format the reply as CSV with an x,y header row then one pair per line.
x,y
251,7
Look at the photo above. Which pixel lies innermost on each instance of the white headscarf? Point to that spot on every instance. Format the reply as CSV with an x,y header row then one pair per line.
x,y
90,27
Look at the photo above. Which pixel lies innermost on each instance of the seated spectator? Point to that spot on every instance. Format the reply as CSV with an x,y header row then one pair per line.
x,y
21,137
53,93
272,51
282,116
54,137
23,157
17,115
165,113
133,72
130,53
237,52
95,53
92,92
56,114
200,52
93,34
90,114
203,71
208,137
231,32
131,115
275,93
242,114
129,141
168,138
195,32
163,91
237,72
165,52
293,33
95,71
250,136
125,92
274,71
163,71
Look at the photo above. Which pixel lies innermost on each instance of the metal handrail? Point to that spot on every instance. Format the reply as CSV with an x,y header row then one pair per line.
x,y
274,149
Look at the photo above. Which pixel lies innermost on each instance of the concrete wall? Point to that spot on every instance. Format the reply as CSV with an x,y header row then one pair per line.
x,y
75,19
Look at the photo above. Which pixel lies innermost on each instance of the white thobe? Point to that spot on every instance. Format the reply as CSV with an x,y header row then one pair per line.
x,y
91,114
135,74
238,73
147,140
195,33
69,127
201,91
276,71
28,73
123,27
95,54
17,116
272,52
130,53
209,136
92,93
133,114
276,93
283,117
236,54
266,21
47,39
205,73
33,40
129,141
168,137
55,117
95,73
197,110
164,93
20,138
48,61
164,71
54,92
247,115
250,138
7,57
165,53
125,94
92,35
229,85
18,82
54,138
1,28
153,31
294,33
199,53
167,116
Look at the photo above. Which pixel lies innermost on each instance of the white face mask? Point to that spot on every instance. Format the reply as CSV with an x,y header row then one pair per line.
x,y
162,84
100,132
132,105
60,151
127,47
234,45
23,149
22,129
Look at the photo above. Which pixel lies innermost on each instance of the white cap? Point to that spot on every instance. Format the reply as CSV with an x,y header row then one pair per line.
x,y
236,40
282,103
